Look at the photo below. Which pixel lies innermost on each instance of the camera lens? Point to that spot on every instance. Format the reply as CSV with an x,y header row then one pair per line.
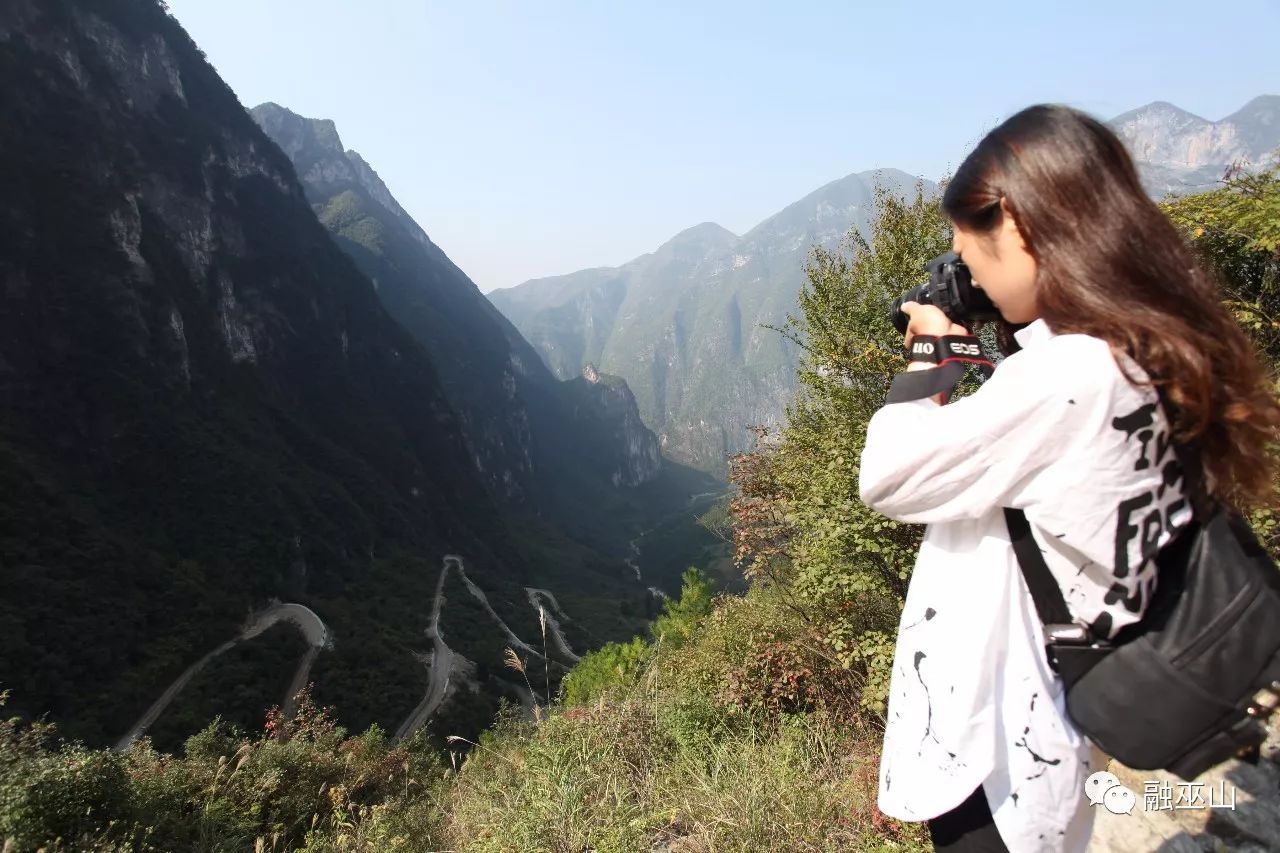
x,y
918,294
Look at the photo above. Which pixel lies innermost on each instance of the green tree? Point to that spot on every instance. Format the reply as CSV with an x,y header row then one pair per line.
x,y
799,522
680,617
611,665
619,664
1236,232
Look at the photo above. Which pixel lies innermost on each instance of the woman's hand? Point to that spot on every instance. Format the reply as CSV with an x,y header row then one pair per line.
x,y
928,320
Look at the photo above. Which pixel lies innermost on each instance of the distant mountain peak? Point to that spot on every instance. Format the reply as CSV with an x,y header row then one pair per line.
x,y
1259,121
1160,113
316,150
704,234
1262,103
826,213
883,173
1167,107
1178,151
294,133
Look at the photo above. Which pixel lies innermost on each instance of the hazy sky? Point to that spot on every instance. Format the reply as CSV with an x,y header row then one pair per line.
x,y
540,137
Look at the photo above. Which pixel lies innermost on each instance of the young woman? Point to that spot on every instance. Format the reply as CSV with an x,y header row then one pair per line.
x,y
1102,302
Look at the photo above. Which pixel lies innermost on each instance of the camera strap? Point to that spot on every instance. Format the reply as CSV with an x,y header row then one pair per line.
x,y
918,385
953,355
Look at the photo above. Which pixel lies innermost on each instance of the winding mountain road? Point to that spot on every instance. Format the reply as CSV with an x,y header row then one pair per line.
x,y
546,593
441,661
510,635
634,559
478,593
556,633
311,626
717,493
299,680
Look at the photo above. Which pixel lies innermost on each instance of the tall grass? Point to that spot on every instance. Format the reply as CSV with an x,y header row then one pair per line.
x,y
676,757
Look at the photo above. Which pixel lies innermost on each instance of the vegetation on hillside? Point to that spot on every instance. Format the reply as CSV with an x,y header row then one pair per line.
x,y
738,723
721,738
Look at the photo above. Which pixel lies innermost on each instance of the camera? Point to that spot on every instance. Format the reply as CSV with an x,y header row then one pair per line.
x,y
950,288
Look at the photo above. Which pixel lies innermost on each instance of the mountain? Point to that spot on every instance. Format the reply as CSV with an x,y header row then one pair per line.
x,y
570,461
213,433
524,427
564,458
1180,152
684,325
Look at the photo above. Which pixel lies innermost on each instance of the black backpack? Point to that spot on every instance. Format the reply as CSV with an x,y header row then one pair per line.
x,y
1192,683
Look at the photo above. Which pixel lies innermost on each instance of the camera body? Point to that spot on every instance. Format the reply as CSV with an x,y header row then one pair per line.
x,y
950,288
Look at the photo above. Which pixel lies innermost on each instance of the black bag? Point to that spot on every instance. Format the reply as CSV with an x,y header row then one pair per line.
x,y
1192,683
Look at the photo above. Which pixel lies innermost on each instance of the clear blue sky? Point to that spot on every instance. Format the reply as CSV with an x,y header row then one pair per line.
x,y
538,137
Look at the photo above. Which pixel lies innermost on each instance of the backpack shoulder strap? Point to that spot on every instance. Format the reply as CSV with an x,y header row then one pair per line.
x,y
1193,477
1045,591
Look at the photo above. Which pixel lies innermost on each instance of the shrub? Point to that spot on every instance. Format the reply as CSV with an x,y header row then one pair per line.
x,y
302,782
611,666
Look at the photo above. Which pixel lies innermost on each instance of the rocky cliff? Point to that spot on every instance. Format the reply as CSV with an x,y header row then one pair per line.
x,y
1180,152
607,405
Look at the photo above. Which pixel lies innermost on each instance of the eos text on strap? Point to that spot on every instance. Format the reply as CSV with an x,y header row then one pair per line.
x,y
952,354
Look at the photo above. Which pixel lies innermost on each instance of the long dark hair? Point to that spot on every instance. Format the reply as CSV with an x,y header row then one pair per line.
x,y
1110,264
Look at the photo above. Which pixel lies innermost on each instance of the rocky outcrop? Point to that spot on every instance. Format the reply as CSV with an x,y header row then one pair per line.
x,y
1177,151
607,405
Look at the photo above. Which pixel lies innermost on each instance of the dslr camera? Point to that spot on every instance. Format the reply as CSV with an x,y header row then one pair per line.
x,y
950,288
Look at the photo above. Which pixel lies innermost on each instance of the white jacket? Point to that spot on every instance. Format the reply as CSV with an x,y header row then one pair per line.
x,y
1060,433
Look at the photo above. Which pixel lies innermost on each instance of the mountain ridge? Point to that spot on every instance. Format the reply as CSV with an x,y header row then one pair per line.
x,y
205,406
208,414
667,319
638,319
1179,152
448,314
